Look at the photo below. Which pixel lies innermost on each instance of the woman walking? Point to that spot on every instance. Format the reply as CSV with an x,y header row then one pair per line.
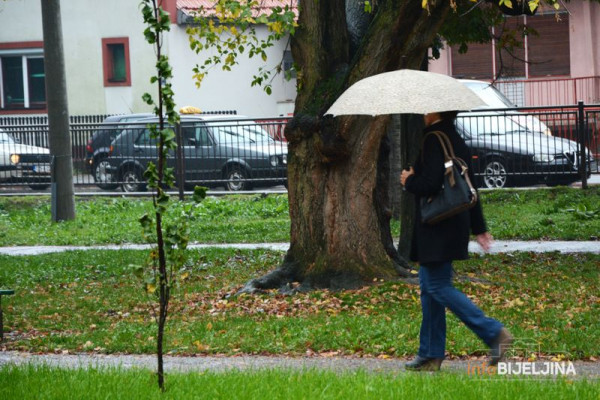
x,y
435,247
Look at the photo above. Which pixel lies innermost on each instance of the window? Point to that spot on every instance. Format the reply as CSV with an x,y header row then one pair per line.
x,y
288,64
196,136
547,52
22,76
145,139
476,63
115,57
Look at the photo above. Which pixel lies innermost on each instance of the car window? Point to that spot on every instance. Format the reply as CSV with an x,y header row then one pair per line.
x,y
240,133
490,95
144,138
196,136
6,138
479,125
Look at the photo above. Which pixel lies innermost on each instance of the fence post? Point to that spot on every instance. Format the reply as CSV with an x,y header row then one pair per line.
x,y
179,162
581,127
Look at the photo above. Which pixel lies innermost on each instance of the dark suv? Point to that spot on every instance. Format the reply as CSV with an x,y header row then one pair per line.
x,y
98,147
216,151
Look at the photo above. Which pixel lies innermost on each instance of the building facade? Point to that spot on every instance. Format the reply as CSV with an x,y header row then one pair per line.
x,y
559,64
109,64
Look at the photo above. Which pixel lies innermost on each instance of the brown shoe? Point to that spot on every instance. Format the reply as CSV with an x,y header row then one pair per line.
x,y
424,364
500,346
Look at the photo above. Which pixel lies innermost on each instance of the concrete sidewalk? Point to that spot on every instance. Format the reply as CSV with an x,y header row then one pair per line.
x,y
583,369
500,246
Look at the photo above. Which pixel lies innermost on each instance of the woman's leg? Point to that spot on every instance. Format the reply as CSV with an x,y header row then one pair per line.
x,y
433,325
440,288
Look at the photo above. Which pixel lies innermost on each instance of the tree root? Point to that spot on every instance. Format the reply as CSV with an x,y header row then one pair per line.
x,y
287,280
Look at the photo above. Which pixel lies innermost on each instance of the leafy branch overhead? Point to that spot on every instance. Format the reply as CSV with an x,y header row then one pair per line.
x,y
229,29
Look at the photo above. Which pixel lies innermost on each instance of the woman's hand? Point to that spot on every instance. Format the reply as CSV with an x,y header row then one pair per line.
x,y
405,174
485,240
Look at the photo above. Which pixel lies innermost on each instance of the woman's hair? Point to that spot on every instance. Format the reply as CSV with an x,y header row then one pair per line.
x,y
448,115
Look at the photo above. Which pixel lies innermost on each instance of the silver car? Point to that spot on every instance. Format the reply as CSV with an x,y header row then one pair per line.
x,y
21,163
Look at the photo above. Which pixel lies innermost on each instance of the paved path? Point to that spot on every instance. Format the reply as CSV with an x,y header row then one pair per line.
x,y
583,369
500,246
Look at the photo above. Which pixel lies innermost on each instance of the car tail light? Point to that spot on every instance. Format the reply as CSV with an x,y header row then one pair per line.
x,y
110,150
89,147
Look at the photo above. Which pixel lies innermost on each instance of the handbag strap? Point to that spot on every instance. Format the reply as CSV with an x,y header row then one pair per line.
x,y
445,142
450,159
449,156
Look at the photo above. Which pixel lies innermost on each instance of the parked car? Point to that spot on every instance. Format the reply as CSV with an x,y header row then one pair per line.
x,y
495,99
21,163
508,154
98,147
217,150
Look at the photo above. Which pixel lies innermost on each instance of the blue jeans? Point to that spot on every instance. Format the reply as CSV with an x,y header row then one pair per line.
x,y
437,294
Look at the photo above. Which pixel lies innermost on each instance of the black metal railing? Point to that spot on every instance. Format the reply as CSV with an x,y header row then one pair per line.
x,y
218,150
518,147
511,147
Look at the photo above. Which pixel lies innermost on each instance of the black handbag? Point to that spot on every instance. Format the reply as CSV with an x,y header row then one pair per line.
x,y
457,193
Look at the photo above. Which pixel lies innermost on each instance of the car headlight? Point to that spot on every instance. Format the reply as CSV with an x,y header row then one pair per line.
x,y
15,158
284,159
543,158
274,161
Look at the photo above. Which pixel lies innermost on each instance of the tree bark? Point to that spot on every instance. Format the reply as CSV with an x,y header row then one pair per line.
x,y
339,168
63,201
410,128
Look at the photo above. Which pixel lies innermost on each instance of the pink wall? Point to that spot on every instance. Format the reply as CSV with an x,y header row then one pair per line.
x,y
585,38
584,23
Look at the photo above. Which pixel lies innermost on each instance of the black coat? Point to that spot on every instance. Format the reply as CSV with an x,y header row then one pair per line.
x,y
449,239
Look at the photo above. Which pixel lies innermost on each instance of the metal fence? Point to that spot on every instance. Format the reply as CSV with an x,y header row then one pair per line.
x,y
511,147
216,151
547,92
518,147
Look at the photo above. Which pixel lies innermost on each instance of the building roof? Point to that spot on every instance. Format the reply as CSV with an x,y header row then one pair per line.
x,y
188,7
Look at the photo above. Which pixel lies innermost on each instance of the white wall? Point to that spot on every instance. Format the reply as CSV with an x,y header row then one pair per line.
x,y
229,90
85,23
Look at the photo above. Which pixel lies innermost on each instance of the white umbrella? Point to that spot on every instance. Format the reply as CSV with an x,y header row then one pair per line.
x,y
405,91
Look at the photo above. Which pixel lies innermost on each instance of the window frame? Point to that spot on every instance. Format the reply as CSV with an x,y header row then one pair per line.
x,y
108,64
26,51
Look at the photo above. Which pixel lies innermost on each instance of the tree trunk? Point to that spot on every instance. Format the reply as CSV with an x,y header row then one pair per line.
x,y
410,128
339,168
63,202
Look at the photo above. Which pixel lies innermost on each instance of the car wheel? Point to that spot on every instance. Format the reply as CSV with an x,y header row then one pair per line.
x,y
236,179
102,177
495,174
132,180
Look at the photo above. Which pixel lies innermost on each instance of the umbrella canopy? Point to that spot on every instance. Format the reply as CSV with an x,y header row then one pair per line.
x,y
405,91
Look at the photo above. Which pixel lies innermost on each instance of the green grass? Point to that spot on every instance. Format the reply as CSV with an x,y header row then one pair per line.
x,y
529,214
543,214
91,301
30,382
26,221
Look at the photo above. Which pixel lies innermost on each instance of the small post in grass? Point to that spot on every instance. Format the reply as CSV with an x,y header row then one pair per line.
x,y
3,292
